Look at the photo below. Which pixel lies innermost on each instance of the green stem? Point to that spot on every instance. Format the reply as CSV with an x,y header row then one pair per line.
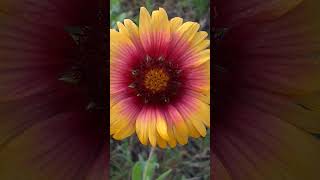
x,y
147,163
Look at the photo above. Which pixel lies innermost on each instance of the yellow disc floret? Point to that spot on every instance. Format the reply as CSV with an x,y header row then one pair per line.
x,y
156,80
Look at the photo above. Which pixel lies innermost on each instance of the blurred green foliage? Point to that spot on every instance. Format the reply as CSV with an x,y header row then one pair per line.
x,y
191,10
116,13
129,158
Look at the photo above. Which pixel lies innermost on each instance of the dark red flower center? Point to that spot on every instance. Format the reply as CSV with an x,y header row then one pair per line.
x,y
156,80
88,70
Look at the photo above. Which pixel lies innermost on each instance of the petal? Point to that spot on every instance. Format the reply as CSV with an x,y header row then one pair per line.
x,y
161,142
275,71
132,28
98,170
181,40
179,128
232,12
154,32
162,128
198,78
120,46
145,29
134,34
122,118
172,139
218,171
295,111
187,31
143,124
152,122
123,30
175,24
198,58
37,161
255,141
196,112
199,37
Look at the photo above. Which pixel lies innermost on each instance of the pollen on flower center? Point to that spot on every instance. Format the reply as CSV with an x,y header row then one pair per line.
x,y
156,80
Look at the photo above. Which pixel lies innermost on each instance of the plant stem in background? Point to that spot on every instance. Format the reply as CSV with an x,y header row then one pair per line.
x,y
147,163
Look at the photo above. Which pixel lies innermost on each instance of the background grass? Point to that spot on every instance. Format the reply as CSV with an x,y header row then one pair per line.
x,y
128,158
189,162
189,10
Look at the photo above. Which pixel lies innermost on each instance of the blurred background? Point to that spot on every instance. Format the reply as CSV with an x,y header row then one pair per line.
x,y
189,10
129,159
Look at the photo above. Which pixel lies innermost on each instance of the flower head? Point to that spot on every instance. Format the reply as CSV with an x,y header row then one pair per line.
x,y
46,129
159,80
267,88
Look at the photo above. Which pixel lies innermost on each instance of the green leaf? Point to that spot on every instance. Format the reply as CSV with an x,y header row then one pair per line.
x,y
149,5
150,169
137,171
164,175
